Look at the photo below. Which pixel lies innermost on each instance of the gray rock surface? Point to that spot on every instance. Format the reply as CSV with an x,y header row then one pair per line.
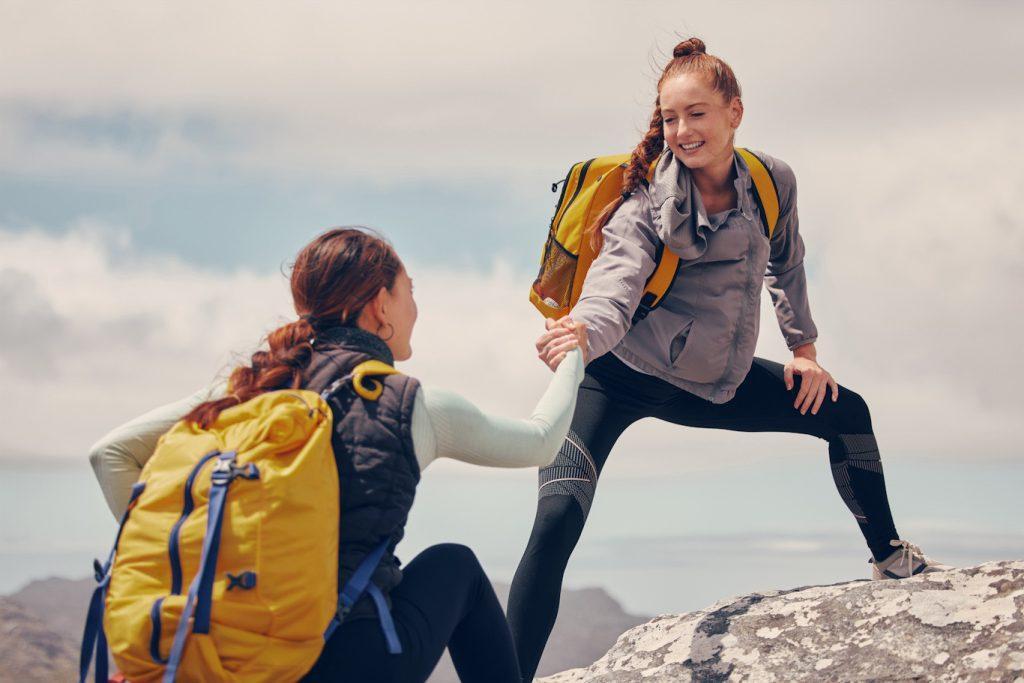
x,y
964,624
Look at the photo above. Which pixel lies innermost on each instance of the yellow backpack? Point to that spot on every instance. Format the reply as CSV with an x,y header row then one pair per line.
x,y
225,566
588,188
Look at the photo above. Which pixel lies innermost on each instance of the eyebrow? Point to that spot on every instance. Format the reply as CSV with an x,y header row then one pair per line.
x,y
667,110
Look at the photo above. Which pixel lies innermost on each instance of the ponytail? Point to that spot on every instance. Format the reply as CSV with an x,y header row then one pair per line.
x,y
334,277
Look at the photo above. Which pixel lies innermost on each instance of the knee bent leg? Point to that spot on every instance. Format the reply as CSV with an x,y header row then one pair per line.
x,y
455,553
572,473
851,414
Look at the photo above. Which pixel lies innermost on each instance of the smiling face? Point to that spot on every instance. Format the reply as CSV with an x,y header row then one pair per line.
x,y
698,123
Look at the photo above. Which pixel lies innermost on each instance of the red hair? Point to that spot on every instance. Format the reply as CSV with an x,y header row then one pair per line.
x,y
689,56
333,278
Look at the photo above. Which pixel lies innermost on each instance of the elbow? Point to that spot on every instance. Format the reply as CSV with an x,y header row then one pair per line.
x,y
97,456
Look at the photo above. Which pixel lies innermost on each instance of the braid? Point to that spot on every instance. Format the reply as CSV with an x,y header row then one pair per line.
x,y
643,156
280,367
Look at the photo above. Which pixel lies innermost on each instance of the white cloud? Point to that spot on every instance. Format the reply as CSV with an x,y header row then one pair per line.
x,y
903,149
95,333
454,89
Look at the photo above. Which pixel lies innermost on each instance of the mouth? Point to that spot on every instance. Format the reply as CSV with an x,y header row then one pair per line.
x,y
692,146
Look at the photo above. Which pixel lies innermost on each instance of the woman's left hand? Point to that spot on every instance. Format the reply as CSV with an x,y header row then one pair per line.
x,y
815,383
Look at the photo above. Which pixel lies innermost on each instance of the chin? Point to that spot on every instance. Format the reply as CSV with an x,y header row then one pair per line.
x,y
691,162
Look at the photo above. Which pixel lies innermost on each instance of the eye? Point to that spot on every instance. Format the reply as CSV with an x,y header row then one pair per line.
x,y
671,119
697,114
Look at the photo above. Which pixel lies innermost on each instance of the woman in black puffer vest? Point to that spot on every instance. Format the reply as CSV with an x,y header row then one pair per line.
x,y
354,300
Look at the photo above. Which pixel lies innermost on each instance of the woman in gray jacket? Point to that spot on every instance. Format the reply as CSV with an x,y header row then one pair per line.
x,y
691,360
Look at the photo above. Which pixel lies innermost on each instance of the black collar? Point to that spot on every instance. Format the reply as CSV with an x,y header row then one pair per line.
x,y
356,339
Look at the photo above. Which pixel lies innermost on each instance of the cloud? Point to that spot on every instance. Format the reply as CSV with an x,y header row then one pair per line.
x,y
96,333
400,90
240,126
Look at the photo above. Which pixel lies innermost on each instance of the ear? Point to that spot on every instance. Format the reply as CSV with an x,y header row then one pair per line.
x,y
379,305
374,313
735,112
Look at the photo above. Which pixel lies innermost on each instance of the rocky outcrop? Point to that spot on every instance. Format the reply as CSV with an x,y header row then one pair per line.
x,y
965,624
60,604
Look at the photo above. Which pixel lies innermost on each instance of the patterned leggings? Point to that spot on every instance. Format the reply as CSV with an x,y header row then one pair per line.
x,y
614,396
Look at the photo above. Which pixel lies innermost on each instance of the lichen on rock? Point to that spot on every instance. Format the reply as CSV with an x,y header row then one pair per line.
x,y
964,624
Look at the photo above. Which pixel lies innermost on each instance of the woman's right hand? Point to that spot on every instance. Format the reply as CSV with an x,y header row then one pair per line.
x,y
562,336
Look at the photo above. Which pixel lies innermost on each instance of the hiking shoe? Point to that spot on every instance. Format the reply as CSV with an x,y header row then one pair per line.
x,y
907,561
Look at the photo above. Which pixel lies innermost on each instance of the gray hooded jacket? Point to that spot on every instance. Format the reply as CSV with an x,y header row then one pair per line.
x,y
702,337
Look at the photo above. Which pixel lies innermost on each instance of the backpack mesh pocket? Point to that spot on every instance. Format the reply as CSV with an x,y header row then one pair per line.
x,y
557,272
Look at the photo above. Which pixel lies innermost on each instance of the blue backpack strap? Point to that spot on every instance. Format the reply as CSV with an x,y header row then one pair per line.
x,y
93,638
387,624
354,588
199,599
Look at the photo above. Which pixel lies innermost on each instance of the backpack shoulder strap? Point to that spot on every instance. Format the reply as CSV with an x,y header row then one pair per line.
x,y
765,191
664,273
659,283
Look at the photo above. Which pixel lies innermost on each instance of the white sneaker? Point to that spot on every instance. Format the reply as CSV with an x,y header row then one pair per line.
x,y
907,561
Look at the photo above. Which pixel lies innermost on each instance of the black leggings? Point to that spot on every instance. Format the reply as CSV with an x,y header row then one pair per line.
x,y
443,600
611,398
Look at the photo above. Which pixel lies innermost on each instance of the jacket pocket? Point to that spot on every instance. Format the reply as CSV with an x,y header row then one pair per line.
x,y
699,358
679,343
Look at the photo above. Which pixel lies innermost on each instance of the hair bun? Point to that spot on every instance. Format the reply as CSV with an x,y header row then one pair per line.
x,y
690,46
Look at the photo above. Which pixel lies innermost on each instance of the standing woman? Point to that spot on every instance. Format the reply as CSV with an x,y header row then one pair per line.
x,y
354,302
691,360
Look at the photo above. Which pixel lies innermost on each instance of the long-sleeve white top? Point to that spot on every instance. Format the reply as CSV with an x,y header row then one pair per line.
x,y
444,425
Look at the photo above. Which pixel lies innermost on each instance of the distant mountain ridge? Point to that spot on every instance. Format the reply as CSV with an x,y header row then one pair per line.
x,y
30,650
41,629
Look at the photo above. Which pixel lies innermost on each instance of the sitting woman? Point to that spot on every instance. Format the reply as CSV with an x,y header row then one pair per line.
x,y
355,303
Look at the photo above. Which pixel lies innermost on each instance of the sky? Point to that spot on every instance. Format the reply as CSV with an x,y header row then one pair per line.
x,y
161,163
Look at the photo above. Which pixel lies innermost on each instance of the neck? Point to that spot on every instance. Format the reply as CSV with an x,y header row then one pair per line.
x,y
716,176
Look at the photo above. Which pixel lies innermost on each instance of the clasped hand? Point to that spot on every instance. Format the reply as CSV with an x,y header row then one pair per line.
x,y
562,336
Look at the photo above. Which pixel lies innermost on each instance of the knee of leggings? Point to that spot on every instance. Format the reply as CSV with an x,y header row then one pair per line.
x,y
559,522
851,414
456,553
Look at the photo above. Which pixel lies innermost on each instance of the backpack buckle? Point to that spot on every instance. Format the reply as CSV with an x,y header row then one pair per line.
x,y
245,581
226,471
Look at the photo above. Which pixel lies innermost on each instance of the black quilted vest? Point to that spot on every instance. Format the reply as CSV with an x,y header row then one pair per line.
x,y
372,441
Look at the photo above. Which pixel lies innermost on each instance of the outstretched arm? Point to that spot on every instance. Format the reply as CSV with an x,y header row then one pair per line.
x,y
445,425
118,458
615,281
